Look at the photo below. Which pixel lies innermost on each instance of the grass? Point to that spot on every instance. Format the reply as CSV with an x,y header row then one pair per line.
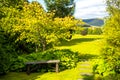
x,y
19,76
70,74
88,46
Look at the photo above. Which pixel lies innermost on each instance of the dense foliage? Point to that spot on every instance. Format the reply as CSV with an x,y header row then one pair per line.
x,y
95,30
109,66
26,28
12,3
30,25
68,59
7,53
89,30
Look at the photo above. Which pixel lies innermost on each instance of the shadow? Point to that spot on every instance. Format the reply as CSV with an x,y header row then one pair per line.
x,y
86,57
20,76
88,77
76,41
112,77
37,71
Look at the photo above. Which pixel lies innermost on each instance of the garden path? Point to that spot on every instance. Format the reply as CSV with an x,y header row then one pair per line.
x,y
85,68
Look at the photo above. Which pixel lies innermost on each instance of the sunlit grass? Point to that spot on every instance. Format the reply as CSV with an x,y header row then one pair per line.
x,y
90,44
70,74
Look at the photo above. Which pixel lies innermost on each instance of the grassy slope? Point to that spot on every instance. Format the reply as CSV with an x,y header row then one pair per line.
x,y
84,44
90,44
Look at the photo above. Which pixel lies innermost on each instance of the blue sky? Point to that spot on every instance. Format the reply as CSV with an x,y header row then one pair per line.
x,y
87,8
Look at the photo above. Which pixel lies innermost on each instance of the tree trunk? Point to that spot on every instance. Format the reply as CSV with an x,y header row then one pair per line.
x,y
44,44
36,49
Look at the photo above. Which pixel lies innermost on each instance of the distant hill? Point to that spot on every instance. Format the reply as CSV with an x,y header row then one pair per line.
x,y
94,22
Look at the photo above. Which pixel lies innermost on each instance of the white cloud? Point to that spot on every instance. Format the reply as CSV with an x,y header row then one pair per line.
x,y
90,9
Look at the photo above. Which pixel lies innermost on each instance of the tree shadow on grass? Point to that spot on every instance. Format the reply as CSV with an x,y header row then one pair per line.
x,y
24,76
76,41
19,76
86,57
88,77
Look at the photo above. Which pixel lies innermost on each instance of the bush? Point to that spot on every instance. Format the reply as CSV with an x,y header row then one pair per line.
x,y
95,30
109,66
7,53
68,59
84,31
89,30
4,61
111,54
18,64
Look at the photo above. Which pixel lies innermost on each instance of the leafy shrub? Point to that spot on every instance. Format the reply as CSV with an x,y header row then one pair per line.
x,y
111,56
18,64
68,59
109,66
89,30
4,61
95,30
7,53
84,31
111,53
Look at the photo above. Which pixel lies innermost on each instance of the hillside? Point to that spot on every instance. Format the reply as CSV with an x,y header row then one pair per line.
x,y
94,22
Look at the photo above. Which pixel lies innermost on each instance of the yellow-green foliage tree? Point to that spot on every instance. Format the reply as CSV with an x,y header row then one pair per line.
x,y
33,25
43,30
28,26
8,12
112,34
61,9
110,67
64,25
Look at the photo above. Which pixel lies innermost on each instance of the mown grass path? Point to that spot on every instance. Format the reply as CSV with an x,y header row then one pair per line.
x,y
90,44
89,47
85,71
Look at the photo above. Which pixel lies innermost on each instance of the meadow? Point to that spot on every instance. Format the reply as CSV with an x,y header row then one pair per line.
x,y
88,46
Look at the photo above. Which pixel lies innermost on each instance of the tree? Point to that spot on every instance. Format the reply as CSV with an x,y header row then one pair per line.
x,y
113,5
62,8
42,30
64,25
112,27
7,52
33,25
111,52
12,3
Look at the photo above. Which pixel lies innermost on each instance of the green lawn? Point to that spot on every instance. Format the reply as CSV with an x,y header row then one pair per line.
x,y
71,74
88,45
